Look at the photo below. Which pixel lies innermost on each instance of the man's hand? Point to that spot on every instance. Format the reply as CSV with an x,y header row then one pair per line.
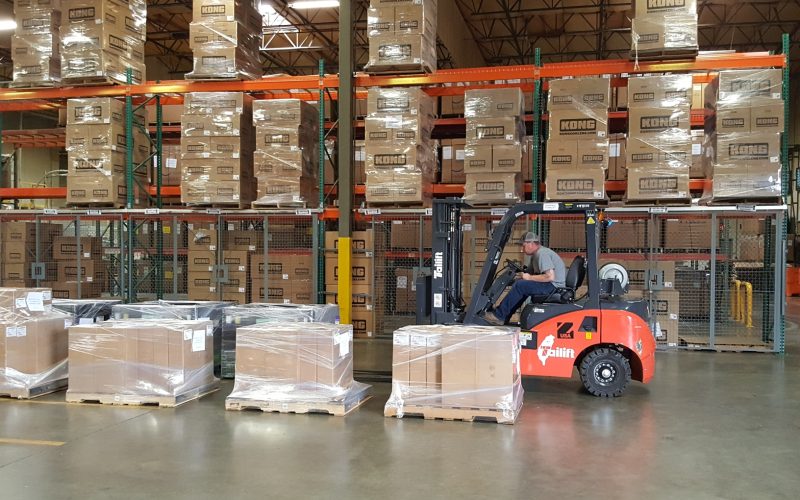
x,y
527,277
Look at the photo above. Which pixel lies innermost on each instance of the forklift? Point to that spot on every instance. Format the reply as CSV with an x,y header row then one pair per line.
x,y
607,337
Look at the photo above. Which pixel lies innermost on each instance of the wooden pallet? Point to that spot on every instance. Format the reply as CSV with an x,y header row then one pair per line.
x,y
399,69
670,202
215,78
338,408
33,85
401,204
35,392
89,206
141,400
300,204
450,413
741,344
663,55
743,201
92,81
222,206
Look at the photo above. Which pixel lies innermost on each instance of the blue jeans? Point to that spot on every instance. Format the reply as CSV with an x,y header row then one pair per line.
x,y
520,290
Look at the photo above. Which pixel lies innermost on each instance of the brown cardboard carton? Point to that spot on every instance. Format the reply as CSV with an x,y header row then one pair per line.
x,y
218,125
27,302
458,161
97,162
361,270
579,94
394,128
658,33
217,103
660,91
360,240
767,119
415,19
759,87
397,157
477,159
102,189
405,290
398,49
497,103
733,120
401,350
751,150
87,271
664,156
682,234
223,34
567,233
380,21
507,158
66,248
18,272
404,187
746,182
566,124
697,169
213,170
219,10
646,183
662,7
493,187
617,154
20,231
561,154
626,234
282,162
334,359
406,234
32,347
84,136
658,124
214,147
221,192
459,369
497,369
398,101
494,130
202,236
576,184
452,105
593,154
17,252
74,289
95,110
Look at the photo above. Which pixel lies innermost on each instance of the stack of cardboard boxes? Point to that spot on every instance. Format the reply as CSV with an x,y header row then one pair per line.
x,y
287,152
80,269
96,147
664,27
33,346
35,43
170,165
286,277
225,36
202,260
141,361
446,367
363,279
400,162
402,35
282,364
494,145
452,157
659,147
102,39
746,124
19,252
217,149
577,144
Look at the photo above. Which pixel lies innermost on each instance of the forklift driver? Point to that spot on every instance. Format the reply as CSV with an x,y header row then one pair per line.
x,y
548,274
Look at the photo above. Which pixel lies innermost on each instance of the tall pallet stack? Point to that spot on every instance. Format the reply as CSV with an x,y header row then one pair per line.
x,y
35,43
225,36
402,36
494,145
400,157
577,143
217,149
287,152
662,29
746,125
659,145
96,154
101,40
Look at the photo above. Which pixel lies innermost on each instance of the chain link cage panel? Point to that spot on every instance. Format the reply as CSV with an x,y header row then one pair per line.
x,y
77,256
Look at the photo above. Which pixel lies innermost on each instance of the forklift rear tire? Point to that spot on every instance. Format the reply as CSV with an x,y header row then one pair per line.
x,y
605,372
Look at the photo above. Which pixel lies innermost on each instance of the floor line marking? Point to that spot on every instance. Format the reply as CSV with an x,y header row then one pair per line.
x,y
31,442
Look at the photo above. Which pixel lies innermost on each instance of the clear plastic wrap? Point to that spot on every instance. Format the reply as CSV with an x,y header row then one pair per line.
x,y
668,32
95,110
284,112
745,165
384,159
205,35
400,186
660,126
493,187
235,62
289,363
660,91
217,103
658,182
579,94
583,154
494,103
272,191
578,184
25,7
98,187
140,359
457,366
33,343
402,37
85,311
399,101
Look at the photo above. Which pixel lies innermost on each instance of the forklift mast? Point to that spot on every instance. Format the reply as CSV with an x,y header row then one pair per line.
x,y
439,296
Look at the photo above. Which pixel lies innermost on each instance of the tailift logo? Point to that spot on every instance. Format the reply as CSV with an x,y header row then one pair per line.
x,y
438,265
548,350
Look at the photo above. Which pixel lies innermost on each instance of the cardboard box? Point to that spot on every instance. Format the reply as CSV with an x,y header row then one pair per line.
x,y
477,159
746,182
494,103
361,270
284,112
21,231
397,128
756,87
617,153
396,157
380,21
212,170
732,121
627,234
657,124
660,91
452,105
665,156
697,169
223,34
219,10
647,183
83,189
659,33
566,124
593,154
39,69
561,154
493,187
398,101
399,49
406,234
215,147
360,240
15,252
459,369
405,290
31,349
681,234
567,234
88,271
217,103
241,192
95,110
495,131
507,158
579,94
415,18
400,187
218,125
749,150
767,119
576,184
662,7
203,236
66,248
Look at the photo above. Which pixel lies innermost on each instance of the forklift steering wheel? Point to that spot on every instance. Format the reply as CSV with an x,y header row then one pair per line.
x,y
515,266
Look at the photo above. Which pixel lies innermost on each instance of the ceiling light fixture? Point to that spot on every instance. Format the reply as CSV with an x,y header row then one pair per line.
x,y
9,24
313,4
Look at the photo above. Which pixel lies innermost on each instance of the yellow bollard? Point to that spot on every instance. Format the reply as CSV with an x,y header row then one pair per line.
x,y
740,307
735,300
748,319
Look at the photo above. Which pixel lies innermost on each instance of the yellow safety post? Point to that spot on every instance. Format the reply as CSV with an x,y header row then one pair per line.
x,y
748,291
344,276
740,307
735,300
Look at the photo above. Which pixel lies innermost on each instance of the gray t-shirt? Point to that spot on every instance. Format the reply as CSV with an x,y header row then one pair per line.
x,y
546,259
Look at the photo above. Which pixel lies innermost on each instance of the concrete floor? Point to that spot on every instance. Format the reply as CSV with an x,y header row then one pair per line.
x,y
709,426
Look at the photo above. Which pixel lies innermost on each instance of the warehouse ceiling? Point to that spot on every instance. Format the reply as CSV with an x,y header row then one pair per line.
x,y
494,32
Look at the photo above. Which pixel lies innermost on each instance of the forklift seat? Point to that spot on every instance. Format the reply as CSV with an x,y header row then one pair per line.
x,y
574,279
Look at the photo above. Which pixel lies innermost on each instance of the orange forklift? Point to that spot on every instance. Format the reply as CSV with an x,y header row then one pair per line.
x,y
606,337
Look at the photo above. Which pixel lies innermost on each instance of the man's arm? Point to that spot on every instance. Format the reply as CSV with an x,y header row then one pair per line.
x,y
546,277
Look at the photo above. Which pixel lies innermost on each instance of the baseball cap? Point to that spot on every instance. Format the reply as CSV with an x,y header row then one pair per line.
x,y
530,237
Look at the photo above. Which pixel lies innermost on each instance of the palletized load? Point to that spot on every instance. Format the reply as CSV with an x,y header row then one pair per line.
x,y
745,126
402,36
662,28
33,343
297,368
35,43
577,145
165,362
456,372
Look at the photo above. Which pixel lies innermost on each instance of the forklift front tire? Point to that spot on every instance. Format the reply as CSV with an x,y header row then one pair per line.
x,y
605,372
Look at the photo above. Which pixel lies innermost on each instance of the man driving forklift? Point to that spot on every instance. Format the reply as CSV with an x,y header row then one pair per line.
x,y
548,274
